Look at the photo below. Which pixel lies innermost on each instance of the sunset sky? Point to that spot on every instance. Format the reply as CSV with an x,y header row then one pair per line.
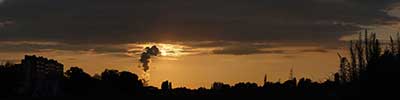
x,y
201,41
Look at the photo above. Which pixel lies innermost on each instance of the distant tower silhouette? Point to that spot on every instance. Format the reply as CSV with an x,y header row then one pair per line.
x,y
265,79
166,85
291,76
279,80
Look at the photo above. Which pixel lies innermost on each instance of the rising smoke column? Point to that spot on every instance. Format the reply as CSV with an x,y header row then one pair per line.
x,y
145,60
146,56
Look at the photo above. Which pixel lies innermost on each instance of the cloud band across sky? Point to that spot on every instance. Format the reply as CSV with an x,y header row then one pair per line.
x,y
105,22
200,40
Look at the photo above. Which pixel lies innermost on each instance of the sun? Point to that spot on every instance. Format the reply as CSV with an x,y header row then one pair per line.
x,y
170,50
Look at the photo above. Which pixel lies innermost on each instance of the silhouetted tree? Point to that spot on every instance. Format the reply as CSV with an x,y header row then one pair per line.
x,y
77,82
219,86
245,85
305,83
129,83
11,79
110,75
369,65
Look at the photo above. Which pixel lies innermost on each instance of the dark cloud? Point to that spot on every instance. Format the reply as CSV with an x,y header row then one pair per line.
x,y
246,49
216,44
123,21
320,50
209,44
134,51
241,51
50,46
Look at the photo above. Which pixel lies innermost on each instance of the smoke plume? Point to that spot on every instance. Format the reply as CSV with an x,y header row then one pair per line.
x,y
146,56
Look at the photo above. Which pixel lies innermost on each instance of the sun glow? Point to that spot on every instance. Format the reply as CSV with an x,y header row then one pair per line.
x,y
172,50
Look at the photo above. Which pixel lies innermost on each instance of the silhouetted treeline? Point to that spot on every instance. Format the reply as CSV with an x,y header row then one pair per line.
x,y
29,78
35,77
110,83
369,69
